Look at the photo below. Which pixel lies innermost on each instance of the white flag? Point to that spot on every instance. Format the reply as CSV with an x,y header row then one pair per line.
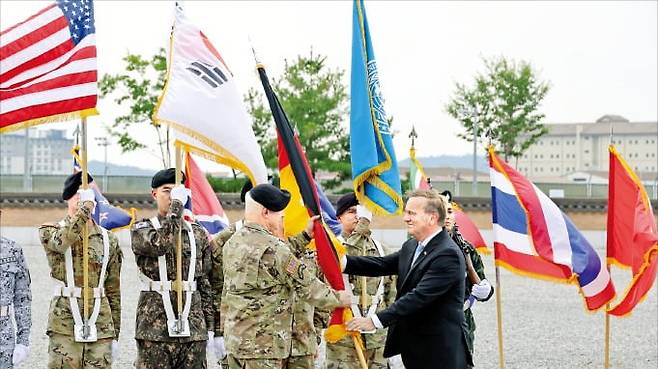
x,y
201,102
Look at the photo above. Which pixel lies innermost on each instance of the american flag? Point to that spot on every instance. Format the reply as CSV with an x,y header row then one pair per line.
x,y
48,66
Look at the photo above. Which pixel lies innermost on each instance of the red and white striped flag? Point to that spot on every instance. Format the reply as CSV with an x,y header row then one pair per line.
x,y
48,66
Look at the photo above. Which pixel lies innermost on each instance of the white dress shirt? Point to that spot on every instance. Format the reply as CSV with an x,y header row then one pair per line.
x,y
419,249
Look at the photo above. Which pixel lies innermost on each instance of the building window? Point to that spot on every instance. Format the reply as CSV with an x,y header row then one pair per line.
x,y
586,151
557,156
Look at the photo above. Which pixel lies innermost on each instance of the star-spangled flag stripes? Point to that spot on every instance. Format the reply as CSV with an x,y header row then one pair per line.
x,y
48,66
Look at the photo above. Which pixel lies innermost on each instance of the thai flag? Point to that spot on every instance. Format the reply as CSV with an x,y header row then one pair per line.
x,y
532,236
204,207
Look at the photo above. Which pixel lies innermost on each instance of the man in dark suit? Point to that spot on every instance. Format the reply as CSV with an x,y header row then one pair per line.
x,y
424,322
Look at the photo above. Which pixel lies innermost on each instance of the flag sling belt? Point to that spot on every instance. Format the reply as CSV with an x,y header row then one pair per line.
x,y
374,300
177,327
83,332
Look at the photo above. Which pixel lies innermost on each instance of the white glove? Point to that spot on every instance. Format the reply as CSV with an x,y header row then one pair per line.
x,y
481,290
20,354
181,193
343,263
115,350
220,349
363,212
88,195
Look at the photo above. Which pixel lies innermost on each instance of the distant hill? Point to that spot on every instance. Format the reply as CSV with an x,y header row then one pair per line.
x,y
449,161
96,168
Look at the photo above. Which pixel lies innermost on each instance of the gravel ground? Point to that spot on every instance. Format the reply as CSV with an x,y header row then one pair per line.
x,y
545,324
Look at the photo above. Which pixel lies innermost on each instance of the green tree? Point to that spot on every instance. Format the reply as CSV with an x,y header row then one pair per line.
x,y
138,89
503,104
315,101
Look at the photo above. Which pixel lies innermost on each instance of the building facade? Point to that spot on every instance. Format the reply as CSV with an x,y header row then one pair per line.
x,y
49,152
583,147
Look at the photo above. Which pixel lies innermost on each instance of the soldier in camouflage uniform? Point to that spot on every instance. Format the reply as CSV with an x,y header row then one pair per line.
x,y
15,296
480,291
217,279
307,322
161,343
63,245
357,239
261,278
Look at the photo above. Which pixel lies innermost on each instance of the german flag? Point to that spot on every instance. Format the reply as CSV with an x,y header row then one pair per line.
x,y
296,176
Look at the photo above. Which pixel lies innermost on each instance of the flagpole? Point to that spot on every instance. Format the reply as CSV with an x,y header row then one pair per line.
x,y
179,248
606,363
85,234
606,350
499,320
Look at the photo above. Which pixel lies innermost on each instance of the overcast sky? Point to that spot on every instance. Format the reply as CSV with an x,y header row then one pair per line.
x,y
599,57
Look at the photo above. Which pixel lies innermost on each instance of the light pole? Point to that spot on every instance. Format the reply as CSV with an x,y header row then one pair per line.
x,y
103,141
472,113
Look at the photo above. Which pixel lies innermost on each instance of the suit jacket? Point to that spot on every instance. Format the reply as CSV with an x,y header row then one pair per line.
x,y
425,321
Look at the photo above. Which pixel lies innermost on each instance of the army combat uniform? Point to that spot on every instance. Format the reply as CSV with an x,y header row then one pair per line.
x,y
217,277
15,296
261,279
380,294
154,245
64,251
307,322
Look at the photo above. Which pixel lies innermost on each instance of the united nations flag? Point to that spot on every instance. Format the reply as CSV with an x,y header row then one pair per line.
x,y
374,166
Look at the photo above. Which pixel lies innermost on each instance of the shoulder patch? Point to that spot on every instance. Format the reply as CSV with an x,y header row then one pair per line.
x,y
293,265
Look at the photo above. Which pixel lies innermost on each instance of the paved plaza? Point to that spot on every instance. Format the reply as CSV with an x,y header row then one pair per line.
x,y
545,324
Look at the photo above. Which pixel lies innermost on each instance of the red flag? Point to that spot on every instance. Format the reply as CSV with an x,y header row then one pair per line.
x,y
205,207
469,230
632,237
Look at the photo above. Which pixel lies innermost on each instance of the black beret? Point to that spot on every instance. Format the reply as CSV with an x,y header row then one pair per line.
x,y
72,185
165,176
245,188
346,202
271,197
447,194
